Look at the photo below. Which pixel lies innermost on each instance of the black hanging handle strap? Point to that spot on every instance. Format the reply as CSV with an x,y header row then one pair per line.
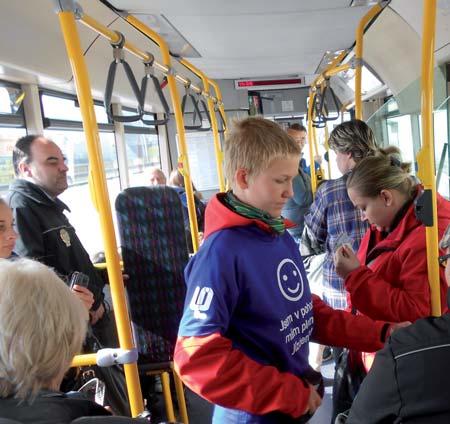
x,y
204,106
189,95
323,108
318,121
149,75
118,55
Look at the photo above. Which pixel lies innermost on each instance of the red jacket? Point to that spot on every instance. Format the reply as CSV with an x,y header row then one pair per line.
x,y
211,367
392,284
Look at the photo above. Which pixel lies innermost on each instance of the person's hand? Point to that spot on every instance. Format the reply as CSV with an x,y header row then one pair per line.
x,y
318,159
314,401
85,295
97,314
397,326
345,261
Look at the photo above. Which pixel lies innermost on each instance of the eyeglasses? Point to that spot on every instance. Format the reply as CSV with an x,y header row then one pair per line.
x,y
443,259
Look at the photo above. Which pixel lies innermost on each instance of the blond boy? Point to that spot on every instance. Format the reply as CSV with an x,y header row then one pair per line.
x,y
249,314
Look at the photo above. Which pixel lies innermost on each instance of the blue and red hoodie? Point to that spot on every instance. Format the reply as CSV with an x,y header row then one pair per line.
x,y
248,318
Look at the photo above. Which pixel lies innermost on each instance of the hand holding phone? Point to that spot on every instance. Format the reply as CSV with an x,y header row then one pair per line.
x,y
79,284
345,260
79,279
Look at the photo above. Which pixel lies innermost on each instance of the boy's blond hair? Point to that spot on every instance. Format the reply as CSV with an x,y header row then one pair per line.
x,y
253,143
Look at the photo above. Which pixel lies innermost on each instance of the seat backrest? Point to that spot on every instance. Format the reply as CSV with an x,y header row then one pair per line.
x,y
154,253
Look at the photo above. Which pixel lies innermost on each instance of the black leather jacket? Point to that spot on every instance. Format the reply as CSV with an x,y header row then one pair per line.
x,y
49,408
47,235
409,381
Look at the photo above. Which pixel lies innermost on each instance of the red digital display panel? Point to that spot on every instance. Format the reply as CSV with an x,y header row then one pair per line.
x,y
262,83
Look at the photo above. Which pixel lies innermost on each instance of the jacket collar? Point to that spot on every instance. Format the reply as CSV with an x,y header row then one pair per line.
x,y
37,194
218,217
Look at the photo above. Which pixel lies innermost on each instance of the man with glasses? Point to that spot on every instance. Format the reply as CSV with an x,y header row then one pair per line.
x,y
409,378
298,205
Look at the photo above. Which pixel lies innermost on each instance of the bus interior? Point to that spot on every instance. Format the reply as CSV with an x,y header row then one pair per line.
x,y
259,57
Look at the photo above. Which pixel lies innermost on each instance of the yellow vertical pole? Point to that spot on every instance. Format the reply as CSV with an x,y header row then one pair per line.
x,y
222,113
311,129
359,55
81,78
220,101
313,139
217,147
327,148
175,97
425,157
212,113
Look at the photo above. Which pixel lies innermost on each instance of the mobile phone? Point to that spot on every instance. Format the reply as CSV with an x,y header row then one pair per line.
x,y
79,279
344,239
94,390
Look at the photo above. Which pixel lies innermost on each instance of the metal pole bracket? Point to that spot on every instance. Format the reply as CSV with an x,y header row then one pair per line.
x,y
108,357
68,6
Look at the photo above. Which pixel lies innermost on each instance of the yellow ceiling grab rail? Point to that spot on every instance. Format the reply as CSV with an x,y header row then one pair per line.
x,y
114,37
374,11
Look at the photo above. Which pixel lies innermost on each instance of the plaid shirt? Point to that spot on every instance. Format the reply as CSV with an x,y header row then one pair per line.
x,y
331,214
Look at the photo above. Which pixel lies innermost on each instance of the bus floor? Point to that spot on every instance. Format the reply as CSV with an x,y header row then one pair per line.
x,y
200,411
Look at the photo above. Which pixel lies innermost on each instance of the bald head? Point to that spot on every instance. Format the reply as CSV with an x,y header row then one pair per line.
x,y
157,177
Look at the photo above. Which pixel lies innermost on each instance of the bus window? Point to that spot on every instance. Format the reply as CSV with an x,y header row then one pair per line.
x,y
142,148
12,127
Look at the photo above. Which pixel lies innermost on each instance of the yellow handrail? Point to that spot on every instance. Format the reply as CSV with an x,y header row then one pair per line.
x,y
220,104
212,113
320,78
327,149
336,70
179,123
311,134
81,78
333,68
425,157
84,360
359,54
114,37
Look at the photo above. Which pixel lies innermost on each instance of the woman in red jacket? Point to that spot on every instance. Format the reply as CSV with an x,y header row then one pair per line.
x,y
388,278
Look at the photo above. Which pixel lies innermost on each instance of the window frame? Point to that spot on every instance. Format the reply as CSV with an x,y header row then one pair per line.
x,y
67,124
13,120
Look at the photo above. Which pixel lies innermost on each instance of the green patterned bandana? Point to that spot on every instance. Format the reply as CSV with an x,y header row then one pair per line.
x,y
276,224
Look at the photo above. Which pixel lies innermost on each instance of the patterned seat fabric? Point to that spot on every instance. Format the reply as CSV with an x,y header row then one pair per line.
x,y
154,253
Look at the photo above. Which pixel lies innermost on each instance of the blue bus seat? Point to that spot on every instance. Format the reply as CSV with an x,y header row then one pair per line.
x,y
154,253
